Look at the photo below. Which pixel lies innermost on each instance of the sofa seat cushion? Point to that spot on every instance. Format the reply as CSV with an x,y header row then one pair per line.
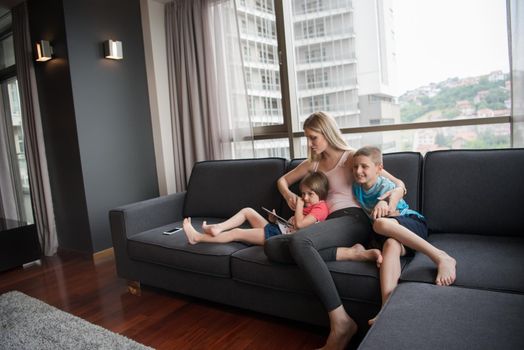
x,y
356,281
484,262
174,250
424,316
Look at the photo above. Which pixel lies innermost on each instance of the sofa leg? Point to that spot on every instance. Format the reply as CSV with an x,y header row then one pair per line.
x,y
134,288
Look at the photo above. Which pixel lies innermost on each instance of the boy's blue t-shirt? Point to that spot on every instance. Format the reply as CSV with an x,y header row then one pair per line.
x,y
369,199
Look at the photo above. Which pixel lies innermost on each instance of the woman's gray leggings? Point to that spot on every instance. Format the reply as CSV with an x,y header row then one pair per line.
x,y
310,247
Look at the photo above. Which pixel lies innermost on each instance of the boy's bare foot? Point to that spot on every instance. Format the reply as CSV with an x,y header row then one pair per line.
x,y
340,336
213,230
359,253
446,274
191,233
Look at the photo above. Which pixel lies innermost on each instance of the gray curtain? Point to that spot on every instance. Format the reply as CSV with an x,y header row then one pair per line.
x,y
516,16
194,129
34,141
206,83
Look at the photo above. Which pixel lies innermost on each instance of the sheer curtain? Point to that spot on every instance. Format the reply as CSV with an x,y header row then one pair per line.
x,y
9,201
207,88
516,10
32,126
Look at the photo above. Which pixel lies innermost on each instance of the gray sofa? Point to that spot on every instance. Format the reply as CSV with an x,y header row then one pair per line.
x,y
470,198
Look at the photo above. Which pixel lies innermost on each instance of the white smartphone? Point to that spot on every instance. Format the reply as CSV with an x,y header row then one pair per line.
x,y
170,232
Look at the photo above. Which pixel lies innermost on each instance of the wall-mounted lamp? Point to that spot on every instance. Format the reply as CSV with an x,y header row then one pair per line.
x,y
44,51
113,49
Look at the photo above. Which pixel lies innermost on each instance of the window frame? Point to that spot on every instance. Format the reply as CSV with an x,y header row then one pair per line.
x,y
289,110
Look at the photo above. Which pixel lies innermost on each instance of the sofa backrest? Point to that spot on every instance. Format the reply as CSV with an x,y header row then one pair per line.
x,y
221,188
406,166
474,191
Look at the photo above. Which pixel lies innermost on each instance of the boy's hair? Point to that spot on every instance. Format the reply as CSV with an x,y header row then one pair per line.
x,y
373,152
317,182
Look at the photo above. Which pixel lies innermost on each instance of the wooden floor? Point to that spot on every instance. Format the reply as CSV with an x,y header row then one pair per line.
x,y
91,290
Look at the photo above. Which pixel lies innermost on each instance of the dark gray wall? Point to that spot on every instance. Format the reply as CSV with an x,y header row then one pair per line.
x,y
108,102
59,125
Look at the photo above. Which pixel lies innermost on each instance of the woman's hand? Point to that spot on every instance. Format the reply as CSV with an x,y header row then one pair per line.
x,y
291,200
381,210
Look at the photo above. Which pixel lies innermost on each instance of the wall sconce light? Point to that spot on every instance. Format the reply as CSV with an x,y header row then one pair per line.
x,y
44,51
113,50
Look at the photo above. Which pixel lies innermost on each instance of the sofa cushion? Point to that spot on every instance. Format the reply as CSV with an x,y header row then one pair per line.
x,y
407,166
484,262
356,281
174,251
474,191
221,188
423,316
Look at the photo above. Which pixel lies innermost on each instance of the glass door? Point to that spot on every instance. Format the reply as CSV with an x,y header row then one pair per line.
x,y
14,179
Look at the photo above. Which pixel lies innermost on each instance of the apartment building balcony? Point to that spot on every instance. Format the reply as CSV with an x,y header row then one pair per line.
x,y
260,90
261,65
326,90
256,38
322,63
337,111
325,10
241,9
324,39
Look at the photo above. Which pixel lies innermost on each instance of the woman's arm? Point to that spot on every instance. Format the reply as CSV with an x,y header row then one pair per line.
x,y
289,179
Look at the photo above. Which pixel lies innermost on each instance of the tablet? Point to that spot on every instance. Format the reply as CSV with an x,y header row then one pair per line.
x,y
279,218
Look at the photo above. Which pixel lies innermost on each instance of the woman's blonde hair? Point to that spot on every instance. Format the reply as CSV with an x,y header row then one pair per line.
x,y
323,123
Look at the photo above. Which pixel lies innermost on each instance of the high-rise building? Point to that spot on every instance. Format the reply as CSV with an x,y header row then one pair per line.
x,y
343,62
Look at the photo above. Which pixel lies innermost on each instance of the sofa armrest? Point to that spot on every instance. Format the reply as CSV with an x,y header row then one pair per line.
x,y
145,215
128,220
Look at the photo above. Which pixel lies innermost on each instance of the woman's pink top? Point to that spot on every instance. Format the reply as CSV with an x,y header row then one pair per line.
x,y
340,178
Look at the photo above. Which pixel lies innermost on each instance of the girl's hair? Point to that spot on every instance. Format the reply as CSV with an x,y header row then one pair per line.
x,y
317,182
323,123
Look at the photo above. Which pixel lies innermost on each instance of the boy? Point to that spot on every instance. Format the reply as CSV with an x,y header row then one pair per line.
x,y
311,208
401,229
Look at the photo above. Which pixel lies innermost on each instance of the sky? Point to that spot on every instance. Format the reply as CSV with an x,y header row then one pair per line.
x,y
440,39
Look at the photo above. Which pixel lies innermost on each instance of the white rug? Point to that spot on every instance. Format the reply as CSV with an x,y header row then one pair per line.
x,y
28,323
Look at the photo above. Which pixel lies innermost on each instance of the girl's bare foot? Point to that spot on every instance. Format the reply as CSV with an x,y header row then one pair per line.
x,y
359,253
446,274
213,230
340,336
192,234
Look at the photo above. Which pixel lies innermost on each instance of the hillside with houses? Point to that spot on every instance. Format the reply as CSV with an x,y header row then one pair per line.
x,y
482,96
474,97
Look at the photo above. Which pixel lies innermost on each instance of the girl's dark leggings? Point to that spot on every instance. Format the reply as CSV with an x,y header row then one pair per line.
x,y
310,247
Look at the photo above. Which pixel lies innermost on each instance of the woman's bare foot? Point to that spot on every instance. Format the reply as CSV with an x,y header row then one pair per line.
x,y
447,271
213,230
359,253
340,336
192,234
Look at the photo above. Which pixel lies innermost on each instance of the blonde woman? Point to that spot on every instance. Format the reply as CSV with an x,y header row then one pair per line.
x,y
342,235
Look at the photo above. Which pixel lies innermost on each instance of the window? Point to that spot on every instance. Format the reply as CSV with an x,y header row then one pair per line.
x,y
386,67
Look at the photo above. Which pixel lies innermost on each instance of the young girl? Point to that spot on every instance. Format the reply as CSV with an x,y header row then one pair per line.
x,y
311,208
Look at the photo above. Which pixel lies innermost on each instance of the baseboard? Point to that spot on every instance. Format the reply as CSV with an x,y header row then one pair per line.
x,y
103,254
